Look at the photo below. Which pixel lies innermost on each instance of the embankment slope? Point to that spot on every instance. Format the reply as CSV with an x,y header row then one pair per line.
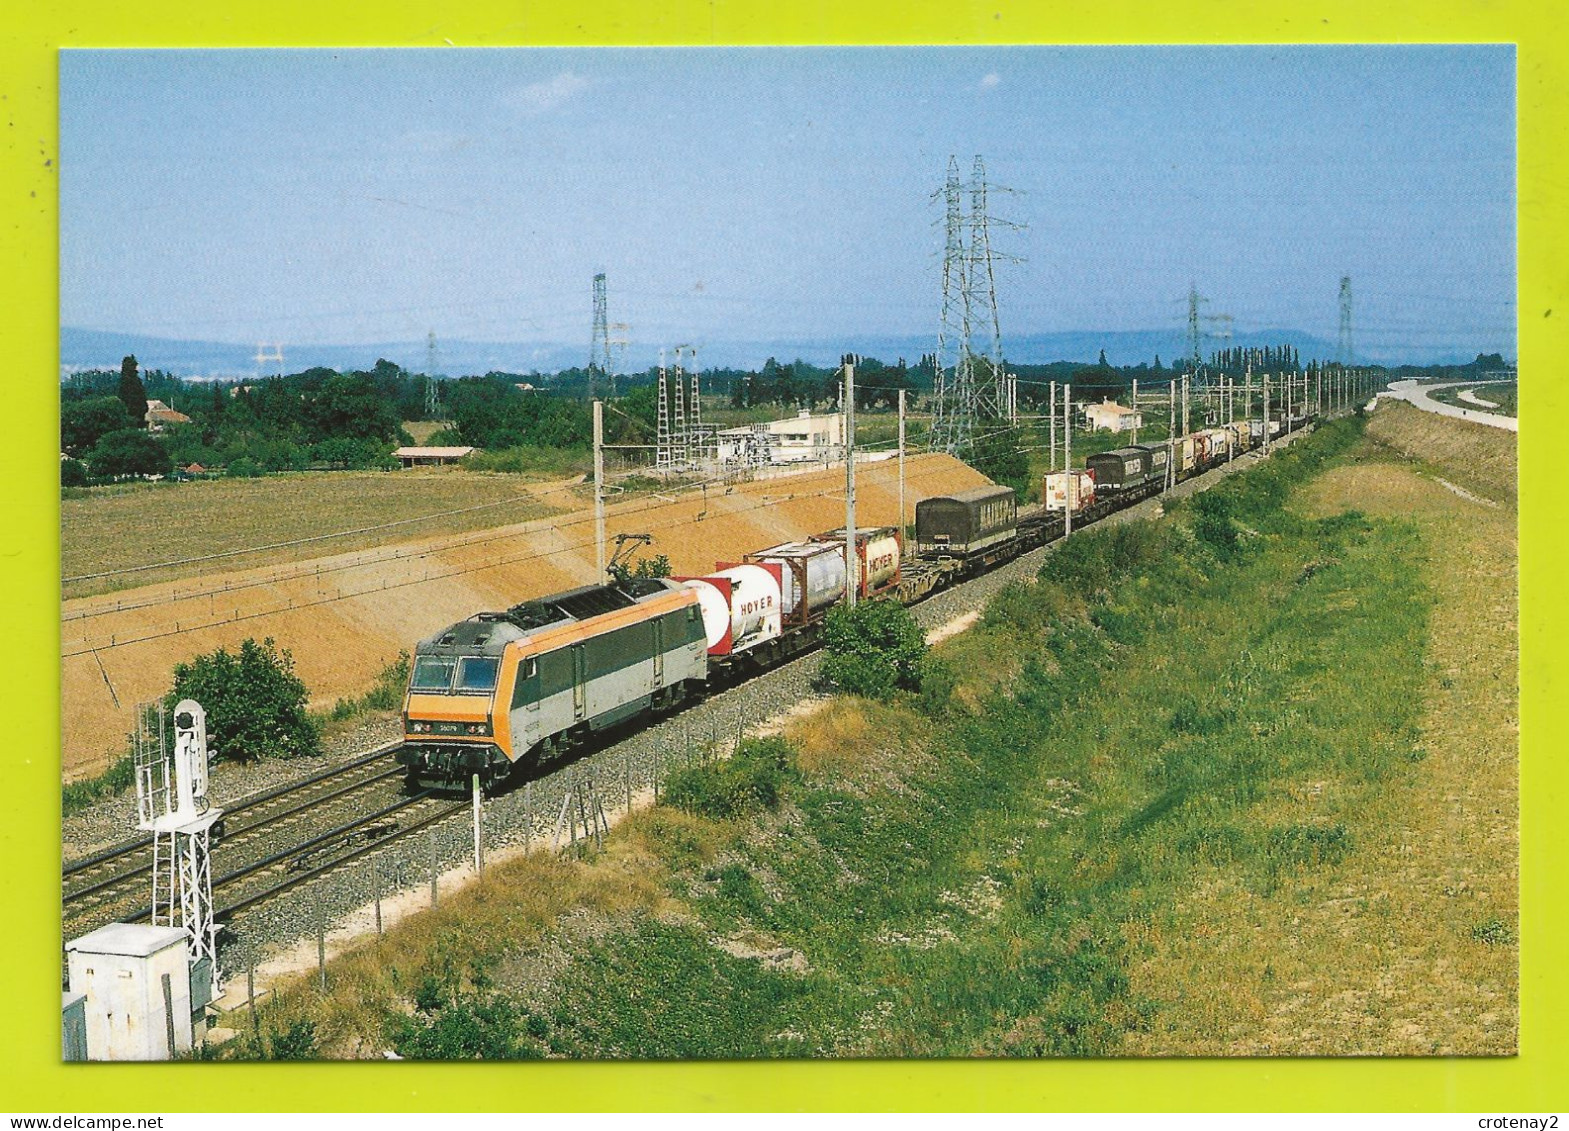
x,y
343,617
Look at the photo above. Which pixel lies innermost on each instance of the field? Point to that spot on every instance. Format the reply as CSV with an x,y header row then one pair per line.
x,y
136,525
1239,781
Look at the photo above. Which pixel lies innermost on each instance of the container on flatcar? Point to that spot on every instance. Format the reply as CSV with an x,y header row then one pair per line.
x,y
1255,433
1182,454
878,552
1120,469
1158,458
1241,436
742,605
1213,446
1068,490
966,522
811,576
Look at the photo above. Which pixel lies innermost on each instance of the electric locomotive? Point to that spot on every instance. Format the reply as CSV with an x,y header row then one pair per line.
x,y
502,689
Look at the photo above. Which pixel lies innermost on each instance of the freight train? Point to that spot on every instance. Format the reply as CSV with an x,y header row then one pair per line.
x,y
508,690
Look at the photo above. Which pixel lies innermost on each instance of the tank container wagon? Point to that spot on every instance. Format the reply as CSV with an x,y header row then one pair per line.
x,y
770,606
500,690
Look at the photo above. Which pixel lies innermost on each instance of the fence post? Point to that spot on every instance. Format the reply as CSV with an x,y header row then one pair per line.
x,y
435,895
321,944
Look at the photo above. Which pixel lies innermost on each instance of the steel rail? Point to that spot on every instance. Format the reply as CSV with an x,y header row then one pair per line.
x,y
229,910
337,833
248,802
271,819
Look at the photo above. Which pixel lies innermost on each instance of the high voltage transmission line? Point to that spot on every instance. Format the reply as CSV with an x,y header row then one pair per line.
x,y
1343,348
970,387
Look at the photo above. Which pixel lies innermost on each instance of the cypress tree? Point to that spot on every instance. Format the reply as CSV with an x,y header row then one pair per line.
x,y
133,394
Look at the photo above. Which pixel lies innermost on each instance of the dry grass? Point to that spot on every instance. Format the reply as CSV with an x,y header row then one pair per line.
x,y
1406,947
1477,456
118,528
522,904
858,743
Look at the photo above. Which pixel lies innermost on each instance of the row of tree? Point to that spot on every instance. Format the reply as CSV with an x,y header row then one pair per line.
x,y
321,417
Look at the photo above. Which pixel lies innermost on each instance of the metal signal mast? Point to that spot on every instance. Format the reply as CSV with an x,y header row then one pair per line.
x,y
171,803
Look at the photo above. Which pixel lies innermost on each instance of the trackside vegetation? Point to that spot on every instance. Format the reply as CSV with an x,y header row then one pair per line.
x,y
976,864
255,703
873,649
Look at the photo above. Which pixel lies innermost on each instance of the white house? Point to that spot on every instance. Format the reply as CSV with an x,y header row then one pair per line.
x,y
799,439
1113,417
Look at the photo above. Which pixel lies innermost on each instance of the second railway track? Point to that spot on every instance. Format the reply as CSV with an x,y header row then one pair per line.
x,y
97,887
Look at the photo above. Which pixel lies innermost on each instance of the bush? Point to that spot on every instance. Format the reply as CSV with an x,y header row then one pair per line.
x,y
385,695
754,777
873,649
1093,562
129,451
465,1027
73,473
255,703
1214,524
297,1042
79,795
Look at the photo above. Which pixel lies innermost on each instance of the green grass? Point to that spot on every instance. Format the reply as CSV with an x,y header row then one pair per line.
x,y
986,906
1505,395
980,874
78,795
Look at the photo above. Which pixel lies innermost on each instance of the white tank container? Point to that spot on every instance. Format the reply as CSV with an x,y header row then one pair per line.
x,y
1068,490
812,575
741,607
879,561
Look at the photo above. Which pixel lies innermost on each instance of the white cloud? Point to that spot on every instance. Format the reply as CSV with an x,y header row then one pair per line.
x,y
542,97
990,81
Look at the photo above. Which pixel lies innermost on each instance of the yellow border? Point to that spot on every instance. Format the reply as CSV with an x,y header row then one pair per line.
x,y
31,1077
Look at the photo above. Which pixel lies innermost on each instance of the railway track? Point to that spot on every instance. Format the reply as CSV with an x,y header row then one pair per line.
x,y
257,881
96,887
112,884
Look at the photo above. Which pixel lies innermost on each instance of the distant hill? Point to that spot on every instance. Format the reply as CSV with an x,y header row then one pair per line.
x,y
90,349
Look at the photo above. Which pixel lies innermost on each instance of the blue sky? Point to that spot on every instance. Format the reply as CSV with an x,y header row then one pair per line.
x,y
344,197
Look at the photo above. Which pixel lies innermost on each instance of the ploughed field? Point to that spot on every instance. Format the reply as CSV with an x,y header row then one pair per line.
x,y
225,522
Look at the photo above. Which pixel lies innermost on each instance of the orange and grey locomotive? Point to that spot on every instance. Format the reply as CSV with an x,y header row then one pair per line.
x,y
503,689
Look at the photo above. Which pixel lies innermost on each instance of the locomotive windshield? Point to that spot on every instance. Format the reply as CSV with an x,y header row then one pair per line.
x,y
477,673
433,673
